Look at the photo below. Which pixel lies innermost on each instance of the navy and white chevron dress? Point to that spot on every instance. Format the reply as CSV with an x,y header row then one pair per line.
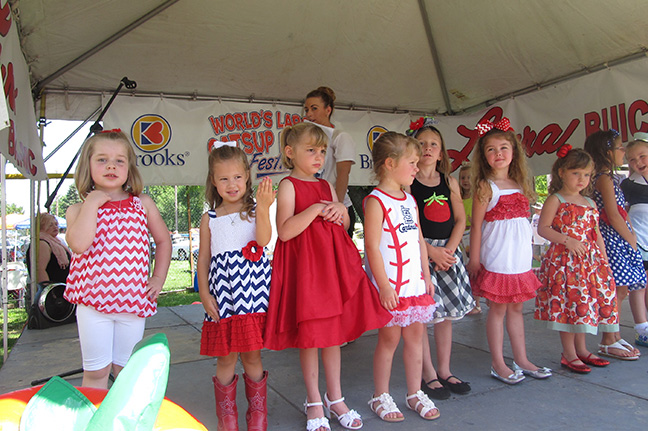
x,y
239,279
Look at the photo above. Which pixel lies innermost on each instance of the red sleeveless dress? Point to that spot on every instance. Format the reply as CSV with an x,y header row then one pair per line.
x,y
319,294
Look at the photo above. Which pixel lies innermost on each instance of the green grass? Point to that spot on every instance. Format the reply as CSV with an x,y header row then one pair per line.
x,y
179,276
16,321
178,298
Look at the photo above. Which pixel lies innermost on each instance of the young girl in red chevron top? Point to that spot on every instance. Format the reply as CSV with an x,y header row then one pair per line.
x,y
500,245
108,234
398,265
233,279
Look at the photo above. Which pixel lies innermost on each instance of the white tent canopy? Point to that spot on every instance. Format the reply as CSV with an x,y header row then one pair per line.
x,y
429,56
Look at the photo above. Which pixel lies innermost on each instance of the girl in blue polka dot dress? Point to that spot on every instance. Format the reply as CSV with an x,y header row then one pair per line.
x,y
608,152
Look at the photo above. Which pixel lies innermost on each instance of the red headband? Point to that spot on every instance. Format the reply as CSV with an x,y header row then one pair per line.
x,y
562,151
484,127
111,131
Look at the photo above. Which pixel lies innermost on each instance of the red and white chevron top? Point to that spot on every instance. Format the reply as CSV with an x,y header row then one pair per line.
x,y
111,276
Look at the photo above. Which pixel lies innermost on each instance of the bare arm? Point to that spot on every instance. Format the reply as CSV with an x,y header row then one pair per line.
x,y
343,170
204,257
160,234
44,256
82,221
289,224
264,198
478,214
459,216
605,186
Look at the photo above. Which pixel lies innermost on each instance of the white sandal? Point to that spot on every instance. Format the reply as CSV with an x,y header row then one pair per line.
x,y
604,351
628,346
314,424
425,402
387,404
345,419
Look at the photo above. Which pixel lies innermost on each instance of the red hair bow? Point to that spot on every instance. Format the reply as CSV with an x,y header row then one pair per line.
x,y
415,125
504,125
562,152
111,131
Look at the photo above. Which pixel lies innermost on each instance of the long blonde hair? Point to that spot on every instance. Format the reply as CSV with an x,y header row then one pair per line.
x,y
518,170
226,154
83,176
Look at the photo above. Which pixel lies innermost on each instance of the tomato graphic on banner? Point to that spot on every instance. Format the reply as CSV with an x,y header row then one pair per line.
x,y
437,208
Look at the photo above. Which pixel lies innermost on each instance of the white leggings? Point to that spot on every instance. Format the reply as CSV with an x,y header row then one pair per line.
x,y
107,338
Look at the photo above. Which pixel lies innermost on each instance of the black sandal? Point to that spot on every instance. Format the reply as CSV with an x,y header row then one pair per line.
x,y
441,393
458,388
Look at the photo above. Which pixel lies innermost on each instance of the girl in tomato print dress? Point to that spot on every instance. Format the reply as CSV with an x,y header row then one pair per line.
x,y
500,245
443,222
233,280
577,296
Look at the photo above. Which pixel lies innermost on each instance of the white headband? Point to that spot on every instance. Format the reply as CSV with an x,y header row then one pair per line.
x,y
218,144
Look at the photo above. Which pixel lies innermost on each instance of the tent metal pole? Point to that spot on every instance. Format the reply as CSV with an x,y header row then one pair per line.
x,y
435,56
59,146
40,85
5,268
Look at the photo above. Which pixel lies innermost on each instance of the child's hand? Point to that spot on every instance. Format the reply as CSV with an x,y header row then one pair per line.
x,y
334,212
98,198
388,298
265,195
442,258
473,267
575,246
153,288
429,287
211,307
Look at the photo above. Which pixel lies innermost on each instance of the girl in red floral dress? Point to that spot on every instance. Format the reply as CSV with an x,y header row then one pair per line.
x,y
578,293
233,280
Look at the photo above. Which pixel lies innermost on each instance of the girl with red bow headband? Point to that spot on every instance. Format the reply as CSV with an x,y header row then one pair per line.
x,y
500,245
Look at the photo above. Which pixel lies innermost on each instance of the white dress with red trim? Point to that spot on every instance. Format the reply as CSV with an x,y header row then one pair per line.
x,y
401,252
506,249
239,280
112,275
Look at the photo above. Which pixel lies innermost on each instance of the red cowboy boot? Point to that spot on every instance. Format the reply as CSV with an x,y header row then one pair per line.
x,y
256,394
226,405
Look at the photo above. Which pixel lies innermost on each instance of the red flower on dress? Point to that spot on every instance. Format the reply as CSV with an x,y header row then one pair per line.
x,y
252,251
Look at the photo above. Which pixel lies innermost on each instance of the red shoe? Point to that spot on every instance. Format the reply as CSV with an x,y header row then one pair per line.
x,y
226,410
256,394
580,369
596,362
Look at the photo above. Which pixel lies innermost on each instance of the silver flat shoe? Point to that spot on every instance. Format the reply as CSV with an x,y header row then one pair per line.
x,y
540,373
513,379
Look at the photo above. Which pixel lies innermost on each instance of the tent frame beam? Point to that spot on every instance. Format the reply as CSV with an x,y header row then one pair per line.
x,y
40,85
435,57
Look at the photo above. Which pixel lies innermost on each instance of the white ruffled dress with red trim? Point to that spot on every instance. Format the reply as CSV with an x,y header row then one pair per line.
x,y
506,250
401,252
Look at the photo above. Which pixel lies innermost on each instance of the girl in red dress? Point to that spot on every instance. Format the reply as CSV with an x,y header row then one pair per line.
x,y
319,295
578,292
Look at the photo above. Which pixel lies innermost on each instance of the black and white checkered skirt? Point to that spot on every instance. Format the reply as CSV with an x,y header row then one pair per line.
x,y
452,287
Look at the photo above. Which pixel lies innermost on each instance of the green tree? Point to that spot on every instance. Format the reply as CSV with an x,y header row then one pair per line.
x,y
164,198
14,209
541,187
62,203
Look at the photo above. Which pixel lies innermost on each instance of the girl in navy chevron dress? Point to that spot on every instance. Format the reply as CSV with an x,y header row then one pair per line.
x,y
109,274
234,280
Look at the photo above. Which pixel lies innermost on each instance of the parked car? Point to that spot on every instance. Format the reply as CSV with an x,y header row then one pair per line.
x,y
180,248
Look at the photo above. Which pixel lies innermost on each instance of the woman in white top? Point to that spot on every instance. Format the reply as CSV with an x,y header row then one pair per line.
x,y
340,154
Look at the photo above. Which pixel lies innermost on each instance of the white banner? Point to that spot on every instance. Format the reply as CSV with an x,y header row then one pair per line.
x,y
172,137
18,138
